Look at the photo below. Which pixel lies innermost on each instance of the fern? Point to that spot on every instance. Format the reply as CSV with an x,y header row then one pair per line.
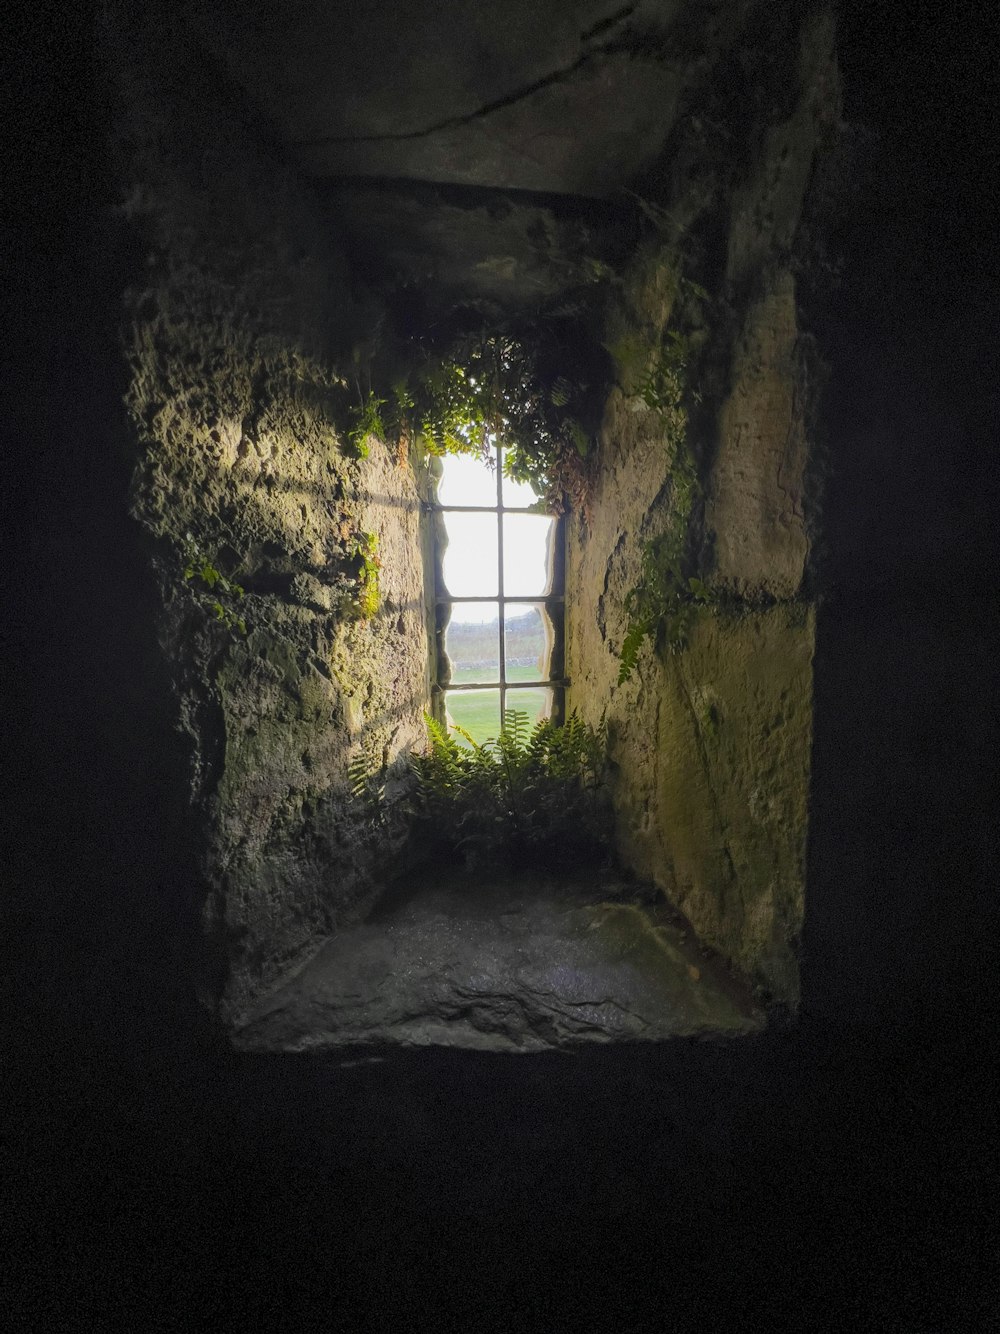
x,y
367,782
529,793
636,633
514,733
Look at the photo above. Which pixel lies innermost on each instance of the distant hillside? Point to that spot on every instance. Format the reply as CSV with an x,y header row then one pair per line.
x,y
476,645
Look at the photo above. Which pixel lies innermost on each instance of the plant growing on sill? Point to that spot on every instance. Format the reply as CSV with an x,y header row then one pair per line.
x,y
532,794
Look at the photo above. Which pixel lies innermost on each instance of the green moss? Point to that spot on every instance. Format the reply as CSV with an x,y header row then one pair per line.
x,y
366,421
663,603
630,354
367,597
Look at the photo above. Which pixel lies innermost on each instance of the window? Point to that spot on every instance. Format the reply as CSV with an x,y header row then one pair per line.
x,y
499,599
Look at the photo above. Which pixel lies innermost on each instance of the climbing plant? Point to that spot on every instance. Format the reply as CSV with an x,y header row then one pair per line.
x,y
502,386
215,592
663,603
366,421
535,385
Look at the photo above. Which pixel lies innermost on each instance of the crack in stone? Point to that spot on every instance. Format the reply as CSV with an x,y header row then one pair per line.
x,y
533,1001
625,43
602,25
558,1001
783,454
702,748
615,556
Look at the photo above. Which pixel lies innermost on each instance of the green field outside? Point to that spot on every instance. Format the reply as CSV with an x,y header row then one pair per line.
x,y
525,672
478,711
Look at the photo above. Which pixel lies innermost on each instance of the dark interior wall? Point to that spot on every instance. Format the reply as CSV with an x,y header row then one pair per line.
x,y
184,800
97,826
710,737
901,920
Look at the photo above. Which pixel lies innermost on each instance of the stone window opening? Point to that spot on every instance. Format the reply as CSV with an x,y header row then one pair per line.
x,y
499,599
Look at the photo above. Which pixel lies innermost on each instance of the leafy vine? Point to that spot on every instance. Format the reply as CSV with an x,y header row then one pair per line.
x,y
538,389
663,603
215,592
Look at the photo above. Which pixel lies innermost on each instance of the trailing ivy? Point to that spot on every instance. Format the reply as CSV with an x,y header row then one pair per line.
x,y
664,602
536,387
662,606
498,387
216,593
366,420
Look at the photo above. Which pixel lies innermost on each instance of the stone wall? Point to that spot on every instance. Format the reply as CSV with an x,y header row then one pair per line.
x,y
711,744
244,332
236,338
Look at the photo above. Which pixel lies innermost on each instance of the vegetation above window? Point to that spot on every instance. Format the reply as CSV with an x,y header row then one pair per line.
x,y
539,386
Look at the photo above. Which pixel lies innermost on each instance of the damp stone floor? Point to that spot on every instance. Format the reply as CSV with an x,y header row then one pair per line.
x,y
514,964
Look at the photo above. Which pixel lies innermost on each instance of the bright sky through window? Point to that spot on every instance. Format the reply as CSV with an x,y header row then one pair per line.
x,y
470,561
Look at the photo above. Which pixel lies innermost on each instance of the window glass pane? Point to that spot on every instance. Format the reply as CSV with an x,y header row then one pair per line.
x,y
527,642
518,495
472,642
466,481
478,711
535,702
526,556
470,559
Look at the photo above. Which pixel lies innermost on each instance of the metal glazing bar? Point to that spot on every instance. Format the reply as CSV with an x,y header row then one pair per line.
x,y
501,626
535,600
489,509
557,682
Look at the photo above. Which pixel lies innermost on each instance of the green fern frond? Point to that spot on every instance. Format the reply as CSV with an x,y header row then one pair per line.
x,y
634,636
466,736
529,788
440,741
515,730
